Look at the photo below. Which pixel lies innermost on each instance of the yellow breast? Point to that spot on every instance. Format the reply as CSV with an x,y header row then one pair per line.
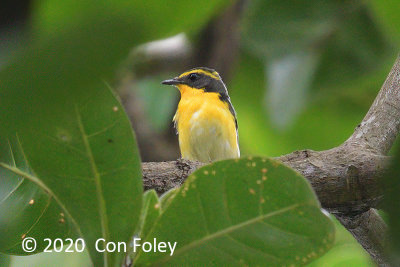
x,y
206,127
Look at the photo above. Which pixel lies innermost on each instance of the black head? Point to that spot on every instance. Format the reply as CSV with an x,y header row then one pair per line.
x,y
200,78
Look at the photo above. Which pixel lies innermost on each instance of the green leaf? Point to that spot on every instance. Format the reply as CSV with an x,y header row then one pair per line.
x,y
151,210
85,156
346,251
26,210
253,211
167,198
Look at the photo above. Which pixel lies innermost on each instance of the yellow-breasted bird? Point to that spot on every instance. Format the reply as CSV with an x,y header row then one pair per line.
x,y
205,119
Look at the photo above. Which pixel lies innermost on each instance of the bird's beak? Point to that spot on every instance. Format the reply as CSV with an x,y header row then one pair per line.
x,y
173,81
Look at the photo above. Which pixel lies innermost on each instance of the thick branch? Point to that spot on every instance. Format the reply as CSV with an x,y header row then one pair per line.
x,y
162,176
344,178
370,231
380,126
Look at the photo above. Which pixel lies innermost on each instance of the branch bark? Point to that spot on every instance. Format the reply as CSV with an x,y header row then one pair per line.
x,y
345,178
370,230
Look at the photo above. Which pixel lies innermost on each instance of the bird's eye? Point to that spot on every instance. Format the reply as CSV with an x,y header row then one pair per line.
x,y
193,76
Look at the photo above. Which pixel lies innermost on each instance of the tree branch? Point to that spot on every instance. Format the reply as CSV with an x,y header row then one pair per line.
x,y
345,178
381,125
370,231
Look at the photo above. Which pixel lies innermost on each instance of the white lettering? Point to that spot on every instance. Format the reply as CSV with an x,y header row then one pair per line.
x,y
154,246
162,247
97,245
121,245
148,244
103,246
136,243
172,248
110,246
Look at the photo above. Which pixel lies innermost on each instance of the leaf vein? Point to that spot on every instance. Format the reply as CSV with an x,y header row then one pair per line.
x,y
200,203
99,190
104,129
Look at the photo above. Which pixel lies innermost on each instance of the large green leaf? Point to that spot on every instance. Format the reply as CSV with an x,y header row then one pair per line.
x,y
85,156
251,212
26,210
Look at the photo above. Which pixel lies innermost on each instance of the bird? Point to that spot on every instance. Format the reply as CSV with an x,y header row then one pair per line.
x,y
205,119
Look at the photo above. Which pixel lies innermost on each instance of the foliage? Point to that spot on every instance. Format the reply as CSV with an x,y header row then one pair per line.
x,y
38,215
151,210
248,212
92,169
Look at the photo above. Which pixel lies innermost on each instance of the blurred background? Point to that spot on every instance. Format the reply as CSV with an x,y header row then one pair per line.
x,y
301,74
